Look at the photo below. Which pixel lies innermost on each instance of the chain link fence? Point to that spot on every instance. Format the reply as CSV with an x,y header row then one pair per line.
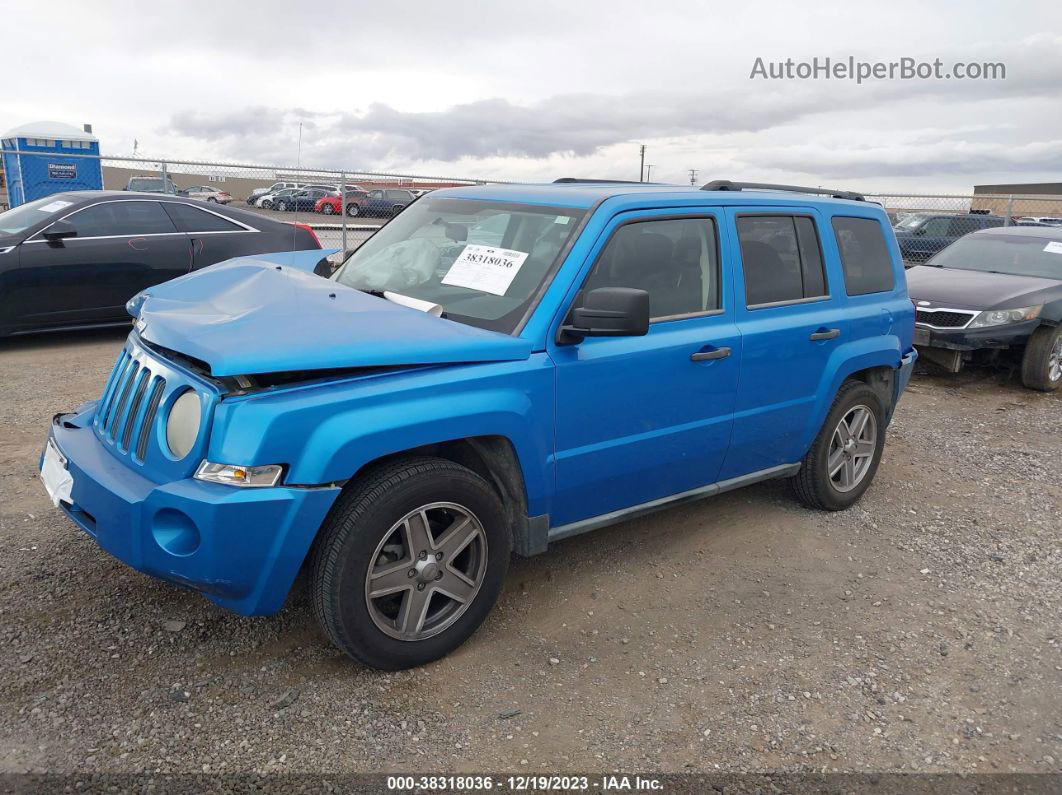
x,y
345,206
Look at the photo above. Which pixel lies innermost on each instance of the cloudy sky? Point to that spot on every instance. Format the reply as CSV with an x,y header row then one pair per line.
x,y
535,90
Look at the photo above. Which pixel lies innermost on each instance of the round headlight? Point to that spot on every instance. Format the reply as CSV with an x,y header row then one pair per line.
x,y
182,426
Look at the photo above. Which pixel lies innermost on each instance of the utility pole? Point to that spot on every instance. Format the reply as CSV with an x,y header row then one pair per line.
x,y
641,168
648,171
693,176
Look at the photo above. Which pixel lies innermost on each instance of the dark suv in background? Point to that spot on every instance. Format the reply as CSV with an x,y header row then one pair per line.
x,y
921,235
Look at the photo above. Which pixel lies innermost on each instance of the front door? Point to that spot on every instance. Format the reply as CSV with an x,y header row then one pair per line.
x,y
120,248
641,418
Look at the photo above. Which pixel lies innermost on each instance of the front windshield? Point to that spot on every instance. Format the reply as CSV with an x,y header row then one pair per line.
x,y
910,223
21,218
1015,254
482,262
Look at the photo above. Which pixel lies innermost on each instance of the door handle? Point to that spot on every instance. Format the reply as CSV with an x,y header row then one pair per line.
x,y
825,334
706,356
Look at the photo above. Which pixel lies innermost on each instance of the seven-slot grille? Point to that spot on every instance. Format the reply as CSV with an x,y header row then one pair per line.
x,y
127,408
943,318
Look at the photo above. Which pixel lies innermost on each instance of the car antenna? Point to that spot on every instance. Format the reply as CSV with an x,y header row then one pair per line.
x,y
295,199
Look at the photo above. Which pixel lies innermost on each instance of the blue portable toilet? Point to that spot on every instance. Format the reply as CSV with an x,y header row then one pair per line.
x,y
41,158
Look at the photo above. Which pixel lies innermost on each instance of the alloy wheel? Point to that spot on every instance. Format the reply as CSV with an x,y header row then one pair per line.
x,y
852,448
426,571
1054,360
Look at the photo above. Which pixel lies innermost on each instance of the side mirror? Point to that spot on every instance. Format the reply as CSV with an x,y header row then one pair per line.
x,y
59,231
609,312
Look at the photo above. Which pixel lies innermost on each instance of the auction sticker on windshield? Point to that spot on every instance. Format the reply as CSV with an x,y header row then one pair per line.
x,y
1054,247
484,268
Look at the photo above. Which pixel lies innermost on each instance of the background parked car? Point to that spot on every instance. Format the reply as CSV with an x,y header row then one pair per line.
x,y
267,201
302,201
356,202
387,202
72,260
994,294
1047,220
152,185
276,187
207,194
921,235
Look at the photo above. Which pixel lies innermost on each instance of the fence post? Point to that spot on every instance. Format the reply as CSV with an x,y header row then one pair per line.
x,y
343,210
1010,211
165,179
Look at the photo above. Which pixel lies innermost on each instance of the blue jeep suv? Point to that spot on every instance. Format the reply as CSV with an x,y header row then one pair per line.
x,y
497,368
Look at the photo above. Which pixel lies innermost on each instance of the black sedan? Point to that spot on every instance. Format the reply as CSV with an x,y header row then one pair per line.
x,y
72,260
994,295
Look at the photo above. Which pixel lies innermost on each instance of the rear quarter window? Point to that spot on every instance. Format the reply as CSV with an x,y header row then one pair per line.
x,y
192,219
864,255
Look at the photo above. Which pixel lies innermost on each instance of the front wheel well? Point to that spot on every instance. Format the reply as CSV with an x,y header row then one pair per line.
x,y
493,458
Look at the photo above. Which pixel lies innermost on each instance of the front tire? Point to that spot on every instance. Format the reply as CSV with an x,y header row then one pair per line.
x,y
282,207
1041,364
409,562
327,209
845,455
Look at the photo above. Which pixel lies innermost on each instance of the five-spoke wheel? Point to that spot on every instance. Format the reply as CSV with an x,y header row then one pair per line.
x,y
426,571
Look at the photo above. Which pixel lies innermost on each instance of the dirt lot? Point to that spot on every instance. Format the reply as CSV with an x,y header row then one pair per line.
x,y
919,631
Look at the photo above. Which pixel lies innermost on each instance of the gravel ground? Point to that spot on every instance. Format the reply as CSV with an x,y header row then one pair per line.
x,y
919,631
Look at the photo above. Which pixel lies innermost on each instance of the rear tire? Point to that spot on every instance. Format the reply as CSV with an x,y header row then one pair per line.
x,y
1041,364
353,210
327,209
844,457
374,540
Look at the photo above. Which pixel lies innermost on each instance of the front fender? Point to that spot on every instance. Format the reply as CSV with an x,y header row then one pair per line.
x,y
328,432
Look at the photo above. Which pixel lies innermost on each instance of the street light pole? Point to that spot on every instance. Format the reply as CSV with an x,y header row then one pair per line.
x,y
641,168
648,171
693,176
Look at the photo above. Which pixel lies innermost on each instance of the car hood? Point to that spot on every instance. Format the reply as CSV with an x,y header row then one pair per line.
x,y
251,315
964,289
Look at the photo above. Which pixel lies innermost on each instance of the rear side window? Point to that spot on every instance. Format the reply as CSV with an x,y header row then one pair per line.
x,y
864,255
781,258
191,219
122,218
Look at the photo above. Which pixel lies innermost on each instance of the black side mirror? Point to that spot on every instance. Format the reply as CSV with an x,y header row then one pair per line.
x,y
59,231
609,312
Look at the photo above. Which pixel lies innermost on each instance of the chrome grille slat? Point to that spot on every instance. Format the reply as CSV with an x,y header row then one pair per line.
x,y
149,417
112,390
108,388
134,408
119,411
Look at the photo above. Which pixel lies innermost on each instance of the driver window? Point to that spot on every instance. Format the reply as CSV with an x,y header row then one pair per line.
x,y
675,261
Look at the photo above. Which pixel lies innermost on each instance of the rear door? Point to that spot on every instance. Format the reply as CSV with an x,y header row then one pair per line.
x,y
215,237
642,418
121,247
792,318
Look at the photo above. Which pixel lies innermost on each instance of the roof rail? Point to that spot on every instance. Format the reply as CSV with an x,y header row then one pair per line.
x,y
725,184
581,181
